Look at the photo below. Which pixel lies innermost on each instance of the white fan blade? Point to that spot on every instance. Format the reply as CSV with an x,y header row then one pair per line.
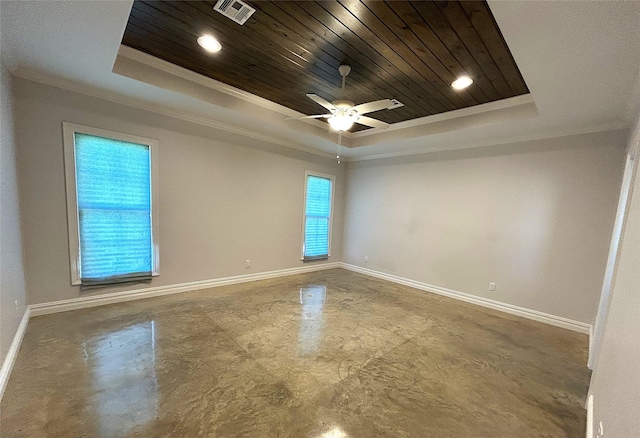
x,y
320,101
370,107
368,121
318,116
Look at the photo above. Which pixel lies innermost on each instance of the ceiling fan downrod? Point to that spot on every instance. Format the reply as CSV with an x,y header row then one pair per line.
x,y
344,70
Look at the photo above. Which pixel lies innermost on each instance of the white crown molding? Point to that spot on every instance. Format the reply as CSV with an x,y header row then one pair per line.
x,y
524,99
12,354
110,96
558,321
607,127
159,65
181,72
65,84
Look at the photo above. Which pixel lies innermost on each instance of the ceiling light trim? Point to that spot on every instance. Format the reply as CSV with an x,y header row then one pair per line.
x,y
462,83
209,43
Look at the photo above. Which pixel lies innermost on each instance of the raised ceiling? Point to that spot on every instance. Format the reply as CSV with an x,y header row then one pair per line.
x,y
410,51
579,81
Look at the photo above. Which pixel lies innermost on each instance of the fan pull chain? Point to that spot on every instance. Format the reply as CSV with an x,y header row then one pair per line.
x,y
339,144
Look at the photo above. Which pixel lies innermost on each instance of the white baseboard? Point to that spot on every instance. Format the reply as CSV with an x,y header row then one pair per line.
x,y
558,321
138,294
117,297
589,433
12,354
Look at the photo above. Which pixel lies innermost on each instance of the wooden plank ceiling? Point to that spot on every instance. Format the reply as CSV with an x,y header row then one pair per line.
x,y
407,50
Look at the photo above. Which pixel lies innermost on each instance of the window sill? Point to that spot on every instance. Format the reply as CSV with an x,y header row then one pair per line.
x,y
315,258
78,282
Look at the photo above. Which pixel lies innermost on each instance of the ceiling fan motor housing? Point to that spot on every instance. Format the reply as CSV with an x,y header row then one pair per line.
x,y
344,113
344,69
343,104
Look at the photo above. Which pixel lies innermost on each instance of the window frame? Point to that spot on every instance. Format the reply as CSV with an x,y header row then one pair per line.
x,y
332,178
73,223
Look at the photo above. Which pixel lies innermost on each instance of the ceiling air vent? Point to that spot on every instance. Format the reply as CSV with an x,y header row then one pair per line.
x,y
237,10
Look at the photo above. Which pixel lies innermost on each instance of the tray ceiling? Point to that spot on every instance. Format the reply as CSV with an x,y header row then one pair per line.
x,y
410,51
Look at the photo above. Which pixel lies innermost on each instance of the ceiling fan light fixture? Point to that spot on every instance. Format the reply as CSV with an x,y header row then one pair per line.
x,y
341,122
462,82
209,43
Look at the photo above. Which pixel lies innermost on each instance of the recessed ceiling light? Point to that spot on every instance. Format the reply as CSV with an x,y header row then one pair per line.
x,y
209,43
462,82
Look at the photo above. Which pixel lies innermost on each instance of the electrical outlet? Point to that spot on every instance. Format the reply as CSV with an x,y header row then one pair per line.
x,y
366,259
247,263
600,431
492,286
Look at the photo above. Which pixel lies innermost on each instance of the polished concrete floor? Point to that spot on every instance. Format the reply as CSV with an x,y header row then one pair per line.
x,y
327,354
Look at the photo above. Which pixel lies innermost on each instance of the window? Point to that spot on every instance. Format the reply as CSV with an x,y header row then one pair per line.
x,y
111,206
318,207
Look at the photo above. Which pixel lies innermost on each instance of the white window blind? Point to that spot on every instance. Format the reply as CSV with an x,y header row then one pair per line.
x,y
111,218
317,224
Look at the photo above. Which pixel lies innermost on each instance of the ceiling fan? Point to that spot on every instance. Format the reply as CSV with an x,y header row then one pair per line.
x,y
344,113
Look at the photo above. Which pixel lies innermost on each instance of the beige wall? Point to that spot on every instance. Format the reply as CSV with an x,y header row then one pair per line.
x,y
533,217
12,287
615,383
221,202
